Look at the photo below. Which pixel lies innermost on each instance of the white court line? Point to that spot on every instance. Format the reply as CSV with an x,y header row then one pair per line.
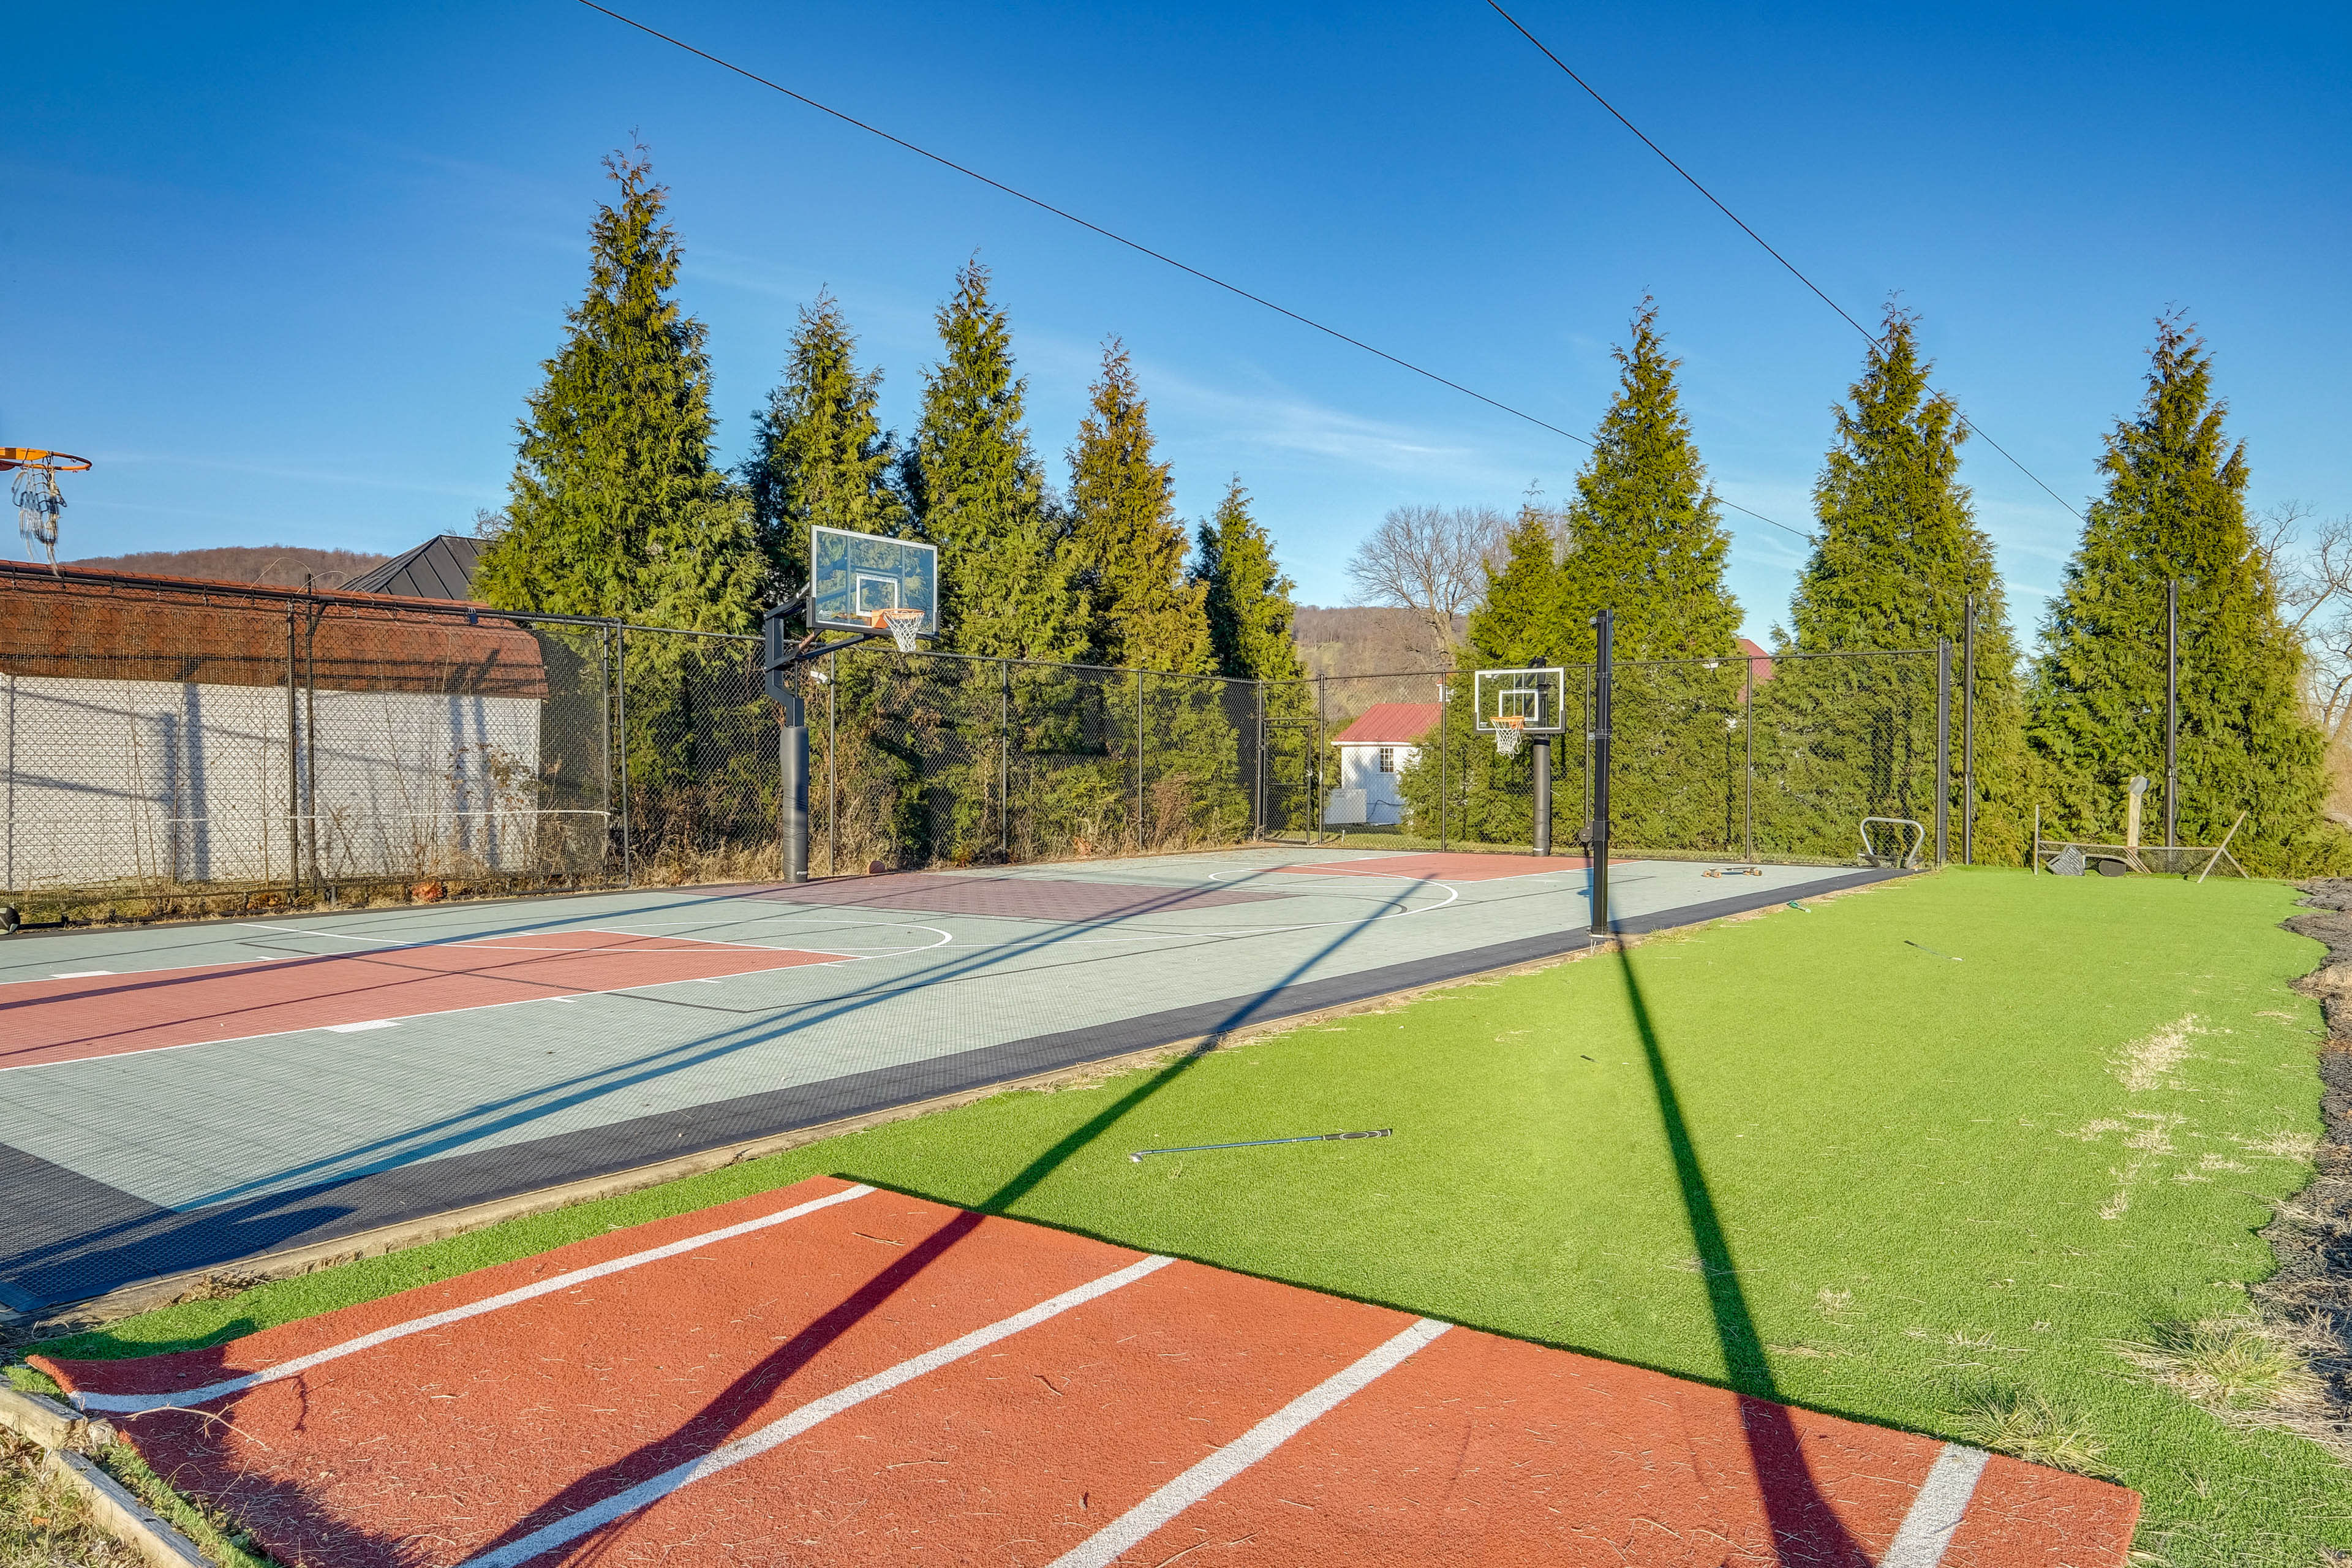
x,y
79,974
1129,1529
784,1428
134,1404
493,944
1937,1511
347,1028
407,1018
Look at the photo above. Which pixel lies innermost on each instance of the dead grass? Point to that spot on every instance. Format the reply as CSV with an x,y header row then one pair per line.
x,y
2235,1367
43,1524
2152,1062
214,1531
2030,1427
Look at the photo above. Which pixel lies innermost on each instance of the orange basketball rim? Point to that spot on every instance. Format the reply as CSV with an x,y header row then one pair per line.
x,y
35,457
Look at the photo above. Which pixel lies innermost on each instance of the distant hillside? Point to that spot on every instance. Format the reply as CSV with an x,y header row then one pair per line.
x,y
281,566
1349,642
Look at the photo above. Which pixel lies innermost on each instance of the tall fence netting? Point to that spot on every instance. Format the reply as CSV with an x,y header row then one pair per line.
x,y
200,749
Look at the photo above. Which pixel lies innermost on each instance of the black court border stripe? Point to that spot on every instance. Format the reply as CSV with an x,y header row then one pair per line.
x,y
69,1238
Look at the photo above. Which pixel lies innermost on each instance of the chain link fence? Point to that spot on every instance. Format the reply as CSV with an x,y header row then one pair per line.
x,y
181,749
1767,758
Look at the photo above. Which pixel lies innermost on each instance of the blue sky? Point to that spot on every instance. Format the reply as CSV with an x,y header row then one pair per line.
x,y
288,273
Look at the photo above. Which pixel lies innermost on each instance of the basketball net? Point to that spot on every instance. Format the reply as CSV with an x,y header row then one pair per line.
x,y
1509,732
905,626
38,502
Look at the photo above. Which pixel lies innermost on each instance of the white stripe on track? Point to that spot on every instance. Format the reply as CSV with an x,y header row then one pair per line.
x,y
134,1404
1937,1511
784,1428
1103,1548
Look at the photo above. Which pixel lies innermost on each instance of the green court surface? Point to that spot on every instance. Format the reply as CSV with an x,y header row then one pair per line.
x,y
1905,1155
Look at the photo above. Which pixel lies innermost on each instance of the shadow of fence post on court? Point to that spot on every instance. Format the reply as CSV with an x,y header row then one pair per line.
x,y
1806,1530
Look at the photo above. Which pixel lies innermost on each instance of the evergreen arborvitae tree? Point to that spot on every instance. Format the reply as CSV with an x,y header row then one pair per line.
x,y
1518,624
1245,596
1127,545
1645,535
1898,556
614,507
820,460
2175,508
977,493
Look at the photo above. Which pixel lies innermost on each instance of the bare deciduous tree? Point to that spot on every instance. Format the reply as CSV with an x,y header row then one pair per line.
x,y
2315,590
1430,560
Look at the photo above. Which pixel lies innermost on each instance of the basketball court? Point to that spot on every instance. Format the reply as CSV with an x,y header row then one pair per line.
x,y
175,1099
869,1377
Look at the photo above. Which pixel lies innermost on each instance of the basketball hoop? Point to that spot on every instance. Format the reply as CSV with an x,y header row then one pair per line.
x,y
1510,729
35,493
905,625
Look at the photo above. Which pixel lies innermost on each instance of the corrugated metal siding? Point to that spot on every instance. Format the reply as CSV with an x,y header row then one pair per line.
x,y
81,629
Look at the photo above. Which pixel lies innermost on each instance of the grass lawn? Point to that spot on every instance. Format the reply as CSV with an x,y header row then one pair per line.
x,y
1807,1155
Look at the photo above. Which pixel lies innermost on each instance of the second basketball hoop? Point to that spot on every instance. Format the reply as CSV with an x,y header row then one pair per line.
x,y
1515,704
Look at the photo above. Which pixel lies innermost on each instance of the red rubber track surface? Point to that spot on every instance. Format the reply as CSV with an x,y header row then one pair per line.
x,y
429,1450
46,1021
1449,867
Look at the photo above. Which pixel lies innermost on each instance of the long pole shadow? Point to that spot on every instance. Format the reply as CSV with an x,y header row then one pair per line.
x,y
1806,1530
729,1411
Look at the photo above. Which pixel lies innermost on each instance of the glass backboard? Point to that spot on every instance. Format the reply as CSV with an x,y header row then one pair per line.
x,y
1533,701
854,578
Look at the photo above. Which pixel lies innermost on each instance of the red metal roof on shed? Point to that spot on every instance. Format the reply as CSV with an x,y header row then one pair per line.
x,y
1391,724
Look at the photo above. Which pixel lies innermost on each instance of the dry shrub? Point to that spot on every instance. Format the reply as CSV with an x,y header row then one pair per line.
x,y
2242,1370
2029,1426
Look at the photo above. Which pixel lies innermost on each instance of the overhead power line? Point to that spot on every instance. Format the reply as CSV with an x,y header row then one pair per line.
x,y
1121,240
1868,336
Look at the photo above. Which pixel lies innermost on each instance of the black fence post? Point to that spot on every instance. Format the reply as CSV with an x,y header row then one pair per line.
x,y
832,766
621,708
293,771
1315,767
1943,748
1257,794
1004,760
1968,730
2171,715
1748,722
1444,743
1603,625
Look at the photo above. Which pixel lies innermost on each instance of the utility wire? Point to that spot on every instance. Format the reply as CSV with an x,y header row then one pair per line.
x,y
1868,336
1122,239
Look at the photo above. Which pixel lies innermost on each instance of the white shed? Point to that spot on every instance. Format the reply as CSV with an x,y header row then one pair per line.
x,y
1374,752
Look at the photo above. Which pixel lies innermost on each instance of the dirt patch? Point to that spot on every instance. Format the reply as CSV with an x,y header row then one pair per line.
x,y
2309,1299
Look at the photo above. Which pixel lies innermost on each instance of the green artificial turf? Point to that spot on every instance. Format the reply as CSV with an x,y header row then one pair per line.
x,y
1894,1158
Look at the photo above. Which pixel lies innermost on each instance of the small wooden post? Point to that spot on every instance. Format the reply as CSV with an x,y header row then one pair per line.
x,y
2132,793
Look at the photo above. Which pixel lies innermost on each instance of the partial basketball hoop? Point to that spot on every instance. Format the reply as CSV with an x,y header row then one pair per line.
x,y
35,491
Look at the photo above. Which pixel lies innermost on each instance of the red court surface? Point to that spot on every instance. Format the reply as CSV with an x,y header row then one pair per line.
x,y
44,1021
834,1374
1449,867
